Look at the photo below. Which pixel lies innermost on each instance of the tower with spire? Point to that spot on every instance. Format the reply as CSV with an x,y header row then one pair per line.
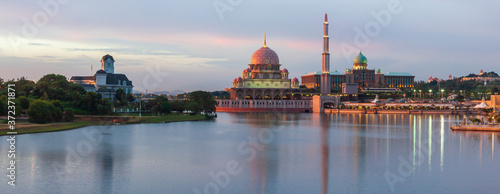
x,y
325,73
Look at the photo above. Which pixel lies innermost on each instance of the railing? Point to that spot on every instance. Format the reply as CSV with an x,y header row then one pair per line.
x,y
264,103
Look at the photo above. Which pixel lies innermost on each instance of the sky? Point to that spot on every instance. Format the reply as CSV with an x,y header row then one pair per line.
x,y
204,44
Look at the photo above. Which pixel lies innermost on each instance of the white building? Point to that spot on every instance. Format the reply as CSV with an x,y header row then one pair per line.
x,y
105,81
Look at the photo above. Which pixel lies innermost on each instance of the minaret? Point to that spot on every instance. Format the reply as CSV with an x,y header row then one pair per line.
x,y
325,76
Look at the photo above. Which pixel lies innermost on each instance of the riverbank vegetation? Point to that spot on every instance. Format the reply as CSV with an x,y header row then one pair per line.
x,y
53,99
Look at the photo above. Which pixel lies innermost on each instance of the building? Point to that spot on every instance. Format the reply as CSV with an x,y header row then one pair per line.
x,y
360,74
105,81
482,77
264,79
264,87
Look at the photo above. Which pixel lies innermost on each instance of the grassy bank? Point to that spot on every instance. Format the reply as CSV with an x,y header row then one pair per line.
x,y
26,127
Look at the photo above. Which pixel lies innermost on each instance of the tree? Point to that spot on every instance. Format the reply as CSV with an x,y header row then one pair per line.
x,y
159,105
130,98
24,102
121,97
68,115
55,86
3,108
194,107
204,101
178,106
40,111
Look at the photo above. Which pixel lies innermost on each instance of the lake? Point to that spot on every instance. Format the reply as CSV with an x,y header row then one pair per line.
x,y
260,153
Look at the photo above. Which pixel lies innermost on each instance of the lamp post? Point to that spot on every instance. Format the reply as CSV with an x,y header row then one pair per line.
x,y
420,91
442,92
430,93
140,106
414,93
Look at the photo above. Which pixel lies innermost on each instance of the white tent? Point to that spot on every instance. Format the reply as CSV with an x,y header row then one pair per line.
x,y
482,105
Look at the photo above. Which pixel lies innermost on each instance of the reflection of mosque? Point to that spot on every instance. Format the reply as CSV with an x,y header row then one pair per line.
x,y
370,147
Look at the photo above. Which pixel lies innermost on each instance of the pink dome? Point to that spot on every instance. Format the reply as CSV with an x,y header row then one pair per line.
x,y
265,56
240,79
295,80
285,70
235,80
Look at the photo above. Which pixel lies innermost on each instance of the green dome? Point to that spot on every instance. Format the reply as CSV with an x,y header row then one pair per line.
x,y
360,59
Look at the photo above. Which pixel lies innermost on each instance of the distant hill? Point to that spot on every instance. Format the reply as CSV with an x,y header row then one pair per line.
x,y
172,93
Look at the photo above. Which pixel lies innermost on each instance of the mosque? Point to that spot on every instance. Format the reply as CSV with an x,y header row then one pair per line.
x,y
264,79
105,81
264,87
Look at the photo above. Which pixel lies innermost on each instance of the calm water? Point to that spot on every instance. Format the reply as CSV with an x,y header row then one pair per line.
x,y
261,153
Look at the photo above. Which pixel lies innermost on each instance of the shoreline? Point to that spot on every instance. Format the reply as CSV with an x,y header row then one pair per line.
x,y
32,128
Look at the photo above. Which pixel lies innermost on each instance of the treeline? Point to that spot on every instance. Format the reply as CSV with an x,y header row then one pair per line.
x,y
197,102
53,99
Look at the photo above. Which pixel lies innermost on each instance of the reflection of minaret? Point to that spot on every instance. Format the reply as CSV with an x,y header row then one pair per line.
x,y
325,76
325,125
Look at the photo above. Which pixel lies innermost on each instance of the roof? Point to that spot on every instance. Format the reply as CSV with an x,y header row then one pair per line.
x,y
101,90
79,78
113,79
100,71
320,72
106,57
398,74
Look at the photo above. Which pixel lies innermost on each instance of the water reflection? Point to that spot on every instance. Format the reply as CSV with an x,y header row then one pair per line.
x,y
308,153
325,127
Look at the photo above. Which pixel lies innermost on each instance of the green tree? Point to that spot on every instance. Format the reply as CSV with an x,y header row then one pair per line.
x,y
68,115
130,98
193,107
3,108
24,102
204,101
55,86
121,97
39,111
178,106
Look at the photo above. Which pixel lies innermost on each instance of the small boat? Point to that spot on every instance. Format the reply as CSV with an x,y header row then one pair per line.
x,y
491,128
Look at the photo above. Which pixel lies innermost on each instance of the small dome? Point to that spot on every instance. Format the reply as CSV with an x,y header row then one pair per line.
x,y
265,56
379,71
235,80
284,70
295,80
361,59
100,72
240,79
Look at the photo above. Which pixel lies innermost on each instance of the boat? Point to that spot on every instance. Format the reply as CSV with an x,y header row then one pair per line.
x,y
490,128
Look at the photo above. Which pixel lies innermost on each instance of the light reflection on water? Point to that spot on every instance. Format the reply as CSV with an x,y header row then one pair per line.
x,y
307,153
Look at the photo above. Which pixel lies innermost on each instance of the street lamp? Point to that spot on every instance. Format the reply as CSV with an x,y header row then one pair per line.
x,y
414,93
140,106
442,91
420,91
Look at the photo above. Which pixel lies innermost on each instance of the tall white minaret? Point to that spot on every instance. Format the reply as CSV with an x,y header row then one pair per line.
x,y
325,75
